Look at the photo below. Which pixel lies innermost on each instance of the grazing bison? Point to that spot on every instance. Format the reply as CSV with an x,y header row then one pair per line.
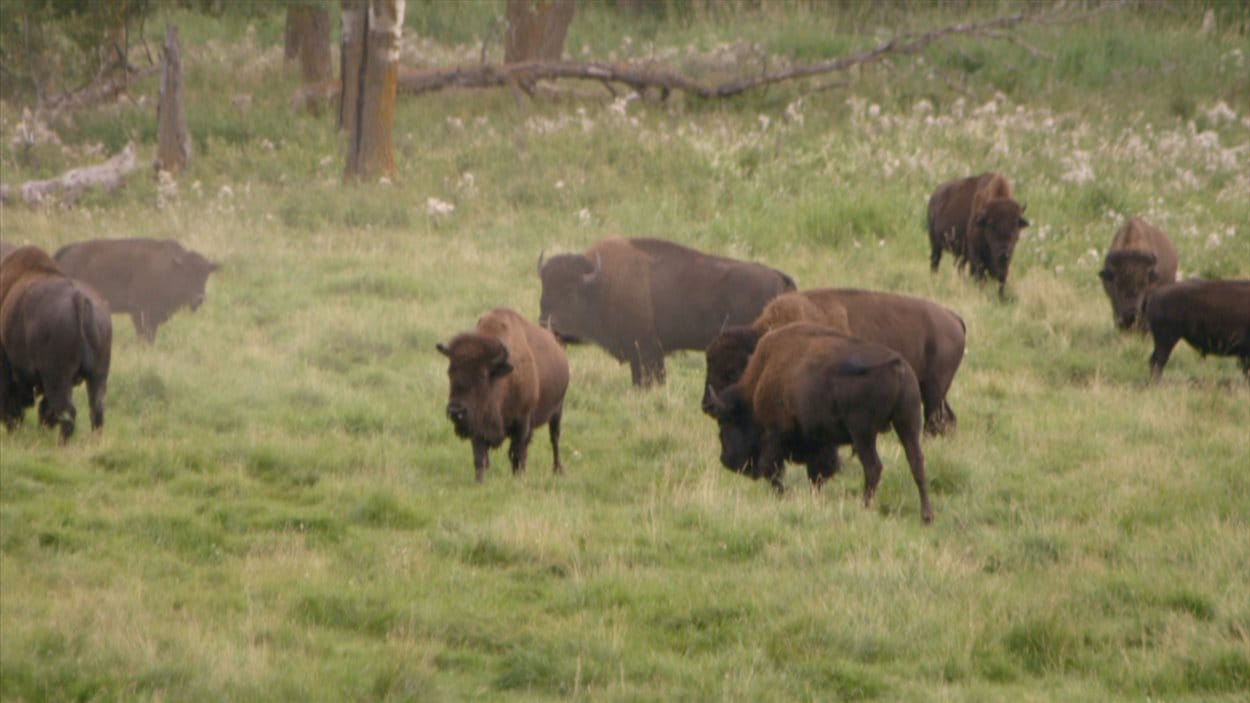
x,y
930,337
1141,257
54,333
6,248
148,278
807,390
640,299
508,377
979,221
1213,316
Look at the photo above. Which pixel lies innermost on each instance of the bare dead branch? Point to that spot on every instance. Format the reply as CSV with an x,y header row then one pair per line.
x,y
69,186
640,77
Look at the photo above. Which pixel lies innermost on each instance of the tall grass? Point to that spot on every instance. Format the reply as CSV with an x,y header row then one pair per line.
x,y
277,508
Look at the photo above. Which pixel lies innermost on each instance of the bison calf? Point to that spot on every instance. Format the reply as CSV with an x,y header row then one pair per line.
x,y
1213,316
1140,258
808,390
507,377
148,278
54,333
978,220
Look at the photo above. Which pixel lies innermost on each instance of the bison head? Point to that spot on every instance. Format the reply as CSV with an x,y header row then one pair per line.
x,y
727,358
999,225
740,435
569,304
1126,276
189,276
478,363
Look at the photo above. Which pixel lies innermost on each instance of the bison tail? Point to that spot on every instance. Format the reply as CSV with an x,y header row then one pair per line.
x,y
88,339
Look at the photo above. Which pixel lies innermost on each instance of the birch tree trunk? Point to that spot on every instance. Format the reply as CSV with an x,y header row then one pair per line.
x,y
173,151
371,154
351,57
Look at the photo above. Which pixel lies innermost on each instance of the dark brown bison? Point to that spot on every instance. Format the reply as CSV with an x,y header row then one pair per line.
x,y
978,220
808,390
930,337
1141,257
640,299
508,377
1213,316
148,278
6,248
54,333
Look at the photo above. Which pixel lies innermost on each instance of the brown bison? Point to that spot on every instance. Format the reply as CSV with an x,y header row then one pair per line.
x,y
930,337
1141,257
148,278
1213,316
6,248
54,333
807,390
508,377
978,220
640,299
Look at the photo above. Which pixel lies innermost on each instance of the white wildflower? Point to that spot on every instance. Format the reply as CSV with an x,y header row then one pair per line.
x,y
765,120
560,185
455,123
924,106
224,193
438,208
1221,113
794,111
583,216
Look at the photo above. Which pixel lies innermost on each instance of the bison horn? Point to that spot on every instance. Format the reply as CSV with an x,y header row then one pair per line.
x,y
594,275
714,404
541,252
443,349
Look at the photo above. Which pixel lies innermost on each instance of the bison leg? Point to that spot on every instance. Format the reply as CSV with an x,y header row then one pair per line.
x,y
1245,366
772,461
145,326
481,459
865,444
935,255
553,429
97,385
57,406
647,365
1164,343
909,435
518,447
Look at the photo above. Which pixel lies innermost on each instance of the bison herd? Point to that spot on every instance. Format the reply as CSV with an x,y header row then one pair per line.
x,y
791,375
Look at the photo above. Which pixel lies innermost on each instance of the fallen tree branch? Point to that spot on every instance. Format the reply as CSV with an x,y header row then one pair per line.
x,y
414,82
69,186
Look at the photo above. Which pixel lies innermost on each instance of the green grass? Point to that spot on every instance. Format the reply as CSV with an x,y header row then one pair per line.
x,y
277,508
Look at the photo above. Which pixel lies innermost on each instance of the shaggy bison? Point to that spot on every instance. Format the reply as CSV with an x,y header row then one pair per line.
x,y
1141,257
978,220
1213,316
54,333
807,390
148,278
640,299
930,337
508,377
6,248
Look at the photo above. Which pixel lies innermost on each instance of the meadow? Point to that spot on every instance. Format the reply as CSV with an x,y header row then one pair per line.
x,y
277,508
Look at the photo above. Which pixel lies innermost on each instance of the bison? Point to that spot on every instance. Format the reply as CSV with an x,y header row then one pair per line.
x,y
148,278
978,220
508,377
1213,316
930,337
55,332
1141,257
6,248
640,299
808,390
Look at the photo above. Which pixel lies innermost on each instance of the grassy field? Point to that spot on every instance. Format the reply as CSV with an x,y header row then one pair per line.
x,y
277,508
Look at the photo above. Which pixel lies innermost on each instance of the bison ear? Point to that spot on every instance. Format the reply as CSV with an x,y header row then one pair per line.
x,y
592,277
499,366
1023,223
442,349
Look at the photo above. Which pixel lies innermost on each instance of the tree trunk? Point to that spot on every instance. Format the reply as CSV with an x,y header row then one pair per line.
x,y
370,153
314,49
351,57
173,151
536,29
295,14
